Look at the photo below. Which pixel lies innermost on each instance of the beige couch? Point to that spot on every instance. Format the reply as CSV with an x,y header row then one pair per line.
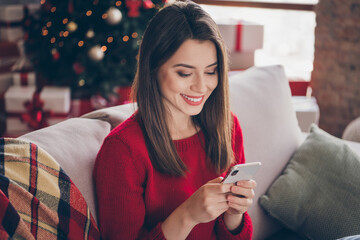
x,y
261,99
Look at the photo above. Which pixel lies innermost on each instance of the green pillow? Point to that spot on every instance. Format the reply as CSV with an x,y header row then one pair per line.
x,y
318,194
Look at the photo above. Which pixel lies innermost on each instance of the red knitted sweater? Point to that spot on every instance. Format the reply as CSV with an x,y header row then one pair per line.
x,y
134,198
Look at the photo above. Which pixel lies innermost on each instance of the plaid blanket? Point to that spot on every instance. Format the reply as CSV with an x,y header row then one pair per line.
x,y
37,199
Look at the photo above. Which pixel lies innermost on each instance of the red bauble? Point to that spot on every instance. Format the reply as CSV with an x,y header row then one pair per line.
x,y
148,4
133,7
78,68
56,56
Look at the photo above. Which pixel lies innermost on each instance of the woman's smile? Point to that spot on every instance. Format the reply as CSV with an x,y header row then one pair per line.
x,y
192,100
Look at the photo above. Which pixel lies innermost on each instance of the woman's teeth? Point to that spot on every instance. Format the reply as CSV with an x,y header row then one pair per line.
x,y
192,99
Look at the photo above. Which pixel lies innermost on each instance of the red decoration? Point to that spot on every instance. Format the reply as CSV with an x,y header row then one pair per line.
x,y
238,37
133,7
56,55
78,68
148,4
71,7
35,117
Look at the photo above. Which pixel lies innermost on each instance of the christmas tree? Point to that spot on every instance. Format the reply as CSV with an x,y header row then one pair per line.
x,y
89,45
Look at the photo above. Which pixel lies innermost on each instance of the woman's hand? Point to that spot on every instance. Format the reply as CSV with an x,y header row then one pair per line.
x,y
239,201
208,202
205,205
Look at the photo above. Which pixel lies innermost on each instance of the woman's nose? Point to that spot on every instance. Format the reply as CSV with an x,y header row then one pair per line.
x,y
199,84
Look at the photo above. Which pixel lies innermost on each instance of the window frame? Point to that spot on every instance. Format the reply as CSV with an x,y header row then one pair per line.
x,y
259,4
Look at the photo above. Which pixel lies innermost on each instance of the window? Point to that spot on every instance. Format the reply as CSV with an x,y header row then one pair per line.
x,y
288,34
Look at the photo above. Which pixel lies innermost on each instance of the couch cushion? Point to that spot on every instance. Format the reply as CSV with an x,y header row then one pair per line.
x,y
113,115
318,193
74,144
261,99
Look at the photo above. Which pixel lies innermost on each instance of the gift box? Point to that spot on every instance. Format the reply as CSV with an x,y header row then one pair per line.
x,y
241,60
15,125
24,79
11,20
56,99
56,108
5,81
9,49
241,36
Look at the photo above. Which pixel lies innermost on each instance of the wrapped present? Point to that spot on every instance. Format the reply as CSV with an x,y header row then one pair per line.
x,y
5,81
241,36
56,99
9,49
242,60
12,20
27,109
24,79
11,2
15,125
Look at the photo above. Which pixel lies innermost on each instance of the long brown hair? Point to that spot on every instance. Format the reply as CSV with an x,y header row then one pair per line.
x,y
165,33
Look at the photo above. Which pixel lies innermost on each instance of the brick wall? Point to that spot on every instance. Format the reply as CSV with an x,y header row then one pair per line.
x,y
336,75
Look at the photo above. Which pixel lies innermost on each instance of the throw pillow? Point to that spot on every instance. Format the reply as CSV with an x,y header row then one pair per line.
x,y
261,99
318,193
74,144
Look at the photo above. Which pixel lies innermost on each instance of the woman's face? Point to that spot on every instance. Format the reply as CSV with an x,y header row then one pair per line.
x,y
188,78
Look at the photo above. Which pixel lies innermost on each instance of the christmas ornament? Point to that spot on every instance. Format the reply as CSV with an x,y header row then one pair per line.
x,y
148,4
35,117
133,7
71,7
78,68
55,54
96,54
114,16
90,33
71,26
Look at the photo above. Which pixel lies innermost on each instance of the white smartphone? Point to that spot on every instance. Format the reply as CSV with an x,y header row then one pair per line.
x,y
240,172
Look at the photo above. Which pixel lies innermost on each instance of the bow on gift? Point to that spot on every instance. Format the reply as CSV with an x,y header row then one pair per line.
x,y
36,117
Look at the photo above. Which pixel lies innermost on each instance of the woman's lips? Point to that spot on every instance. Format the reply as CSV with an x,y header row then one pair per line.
x,y
193,100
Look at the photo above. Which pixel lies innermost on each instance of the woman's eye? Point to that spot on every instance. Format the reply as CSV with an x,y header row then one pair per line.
x,y
184,74
211,73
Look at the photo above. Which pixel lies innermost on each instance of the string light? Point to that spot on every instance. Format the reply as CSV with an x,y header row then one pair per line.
x,y
110,39
48,24
53,9
42,2
104,16
81,82
81,43
103,48
88,13
45,32
52,40
61,33
135,35
125,38
118,3
66,33
61,44
65,21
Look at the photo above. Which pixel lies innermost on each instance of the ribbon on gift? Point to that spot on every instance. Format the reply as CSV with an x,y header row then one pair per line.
x,y
35,117
238,43
19,23
24,79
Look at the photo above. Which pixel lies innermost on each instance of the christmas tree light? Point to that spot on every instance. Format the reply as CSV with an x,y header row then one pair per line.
x,y
90,46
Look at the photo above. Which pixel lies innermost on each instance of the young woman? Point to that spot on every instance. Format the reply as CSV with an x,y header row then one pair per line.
x,y
158,174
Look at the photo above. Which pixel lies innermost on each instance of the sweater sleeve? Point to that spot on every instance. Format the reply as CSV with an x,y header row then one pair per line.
x,y
246,228
119,181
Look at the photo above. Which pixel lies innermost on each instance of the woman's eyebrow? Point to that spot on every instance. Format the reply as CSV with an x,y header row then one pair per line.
x,y
189,66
